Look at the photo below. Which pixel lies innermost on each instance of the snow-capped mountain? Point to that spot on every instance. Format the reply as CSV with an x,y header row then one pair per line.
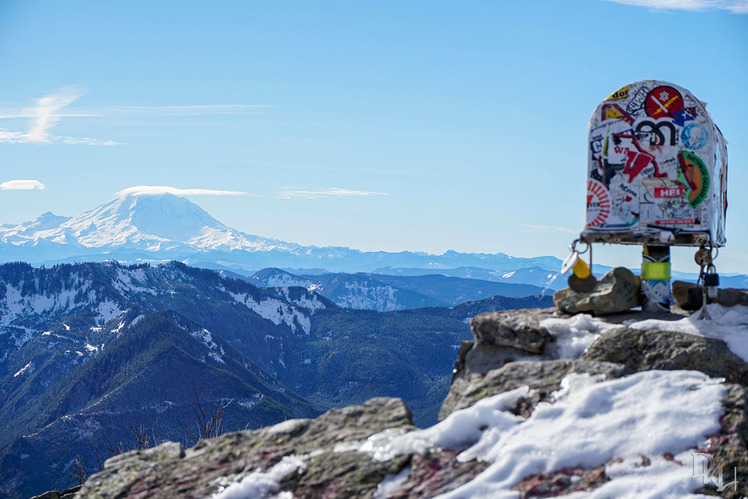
x,y
150,223
141,225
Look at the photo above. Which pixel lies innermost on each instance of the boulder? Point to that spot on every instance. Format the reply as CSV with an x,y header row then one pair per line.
x,y
648,349
543,376
517,329
687,296
617,291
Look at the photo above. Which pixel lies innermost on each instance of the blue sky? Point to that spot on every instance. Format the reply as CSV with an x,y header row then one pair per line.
x,y
388,125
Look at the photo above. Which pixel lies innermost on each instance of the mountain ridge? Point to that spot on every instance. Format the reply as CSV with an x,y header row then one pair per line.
x,y
137,227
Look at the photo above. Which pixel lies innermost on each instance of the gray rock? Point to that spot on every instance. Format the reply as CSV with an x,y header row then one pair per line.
x,y
643,350
687,295
617,291
730,297
518,329
543,376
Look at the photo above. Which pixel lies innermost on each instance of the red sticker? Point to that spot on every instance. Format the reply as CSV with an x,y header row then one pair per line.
x,y
598,203
663,102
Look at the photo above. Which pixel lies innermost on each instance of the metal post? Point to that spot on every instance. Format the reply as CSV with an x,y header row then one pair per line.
x,y
656,278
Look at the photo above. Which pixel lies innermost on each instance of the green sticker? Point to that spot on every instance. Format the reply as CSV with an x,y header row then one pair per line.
x,y
693,173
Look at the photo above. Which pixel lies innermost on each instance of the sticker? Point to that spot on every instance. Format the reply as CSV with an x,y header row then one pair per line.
x,y
635,159
663,102
614,112
693,173
665,203
656,294
598,203
657,133
637,102
619,94
694,136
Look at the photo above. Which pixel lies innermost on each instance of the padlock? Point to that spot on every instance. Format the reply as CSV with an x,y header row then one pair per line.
x,y
711,282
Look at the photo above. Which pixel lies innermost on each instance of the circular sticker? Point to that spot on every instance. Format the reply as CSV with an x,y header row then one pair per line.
x,y
694,136
598,203
663,102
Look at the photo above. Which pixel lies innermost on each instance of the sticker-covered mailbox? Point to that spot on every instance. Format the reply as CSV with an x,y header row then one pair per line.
x,y
657,169
657,176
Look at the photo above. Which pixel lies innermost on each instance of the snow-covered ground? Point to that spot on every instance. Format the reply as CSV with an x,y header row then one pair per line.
x,y
729,324
644,428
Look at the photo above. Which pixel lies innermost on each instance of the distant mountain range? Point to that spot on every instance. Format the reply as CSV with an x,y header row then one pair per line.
x,y
385,293
137,227
93,354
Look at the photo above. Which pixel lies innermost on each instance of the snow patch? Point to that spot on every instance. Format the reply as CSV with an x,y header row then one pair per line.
x,y
262,484
390,483
575,334
108,310
362,297
591,423
276,311
24,369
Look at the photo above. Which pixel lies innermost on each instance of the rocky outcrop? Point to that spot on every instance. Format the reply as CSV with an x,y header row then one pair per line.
x,y
616,291
213,464
645,350
544,377
324,457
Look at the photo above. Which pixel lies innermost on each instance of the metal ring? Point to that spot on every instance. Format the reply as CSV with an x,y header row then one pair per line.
x,y
574,246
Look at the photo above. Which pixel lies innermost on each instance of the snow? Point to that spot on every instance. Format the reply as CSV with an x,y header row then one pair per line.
x,y
390,483
205,337
276,311
23,370
574,335
16,304
108,310
128,281
591,423
729,324
261,484
362,297
313,303
217,358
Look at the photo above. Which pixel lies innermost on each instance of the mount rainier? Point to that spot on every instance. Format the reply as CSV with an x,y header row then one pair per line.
x,y
139,226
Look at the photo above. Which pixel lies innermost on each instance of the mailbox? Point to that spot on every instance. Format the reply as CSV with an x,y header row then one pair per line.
x,y
657,169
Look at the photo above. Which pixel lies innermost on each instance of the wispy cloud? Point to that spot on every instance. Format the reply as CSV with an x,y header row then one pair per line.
x,y
46,113
294,192
140,190
21,185
545,228
734,6
43,116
